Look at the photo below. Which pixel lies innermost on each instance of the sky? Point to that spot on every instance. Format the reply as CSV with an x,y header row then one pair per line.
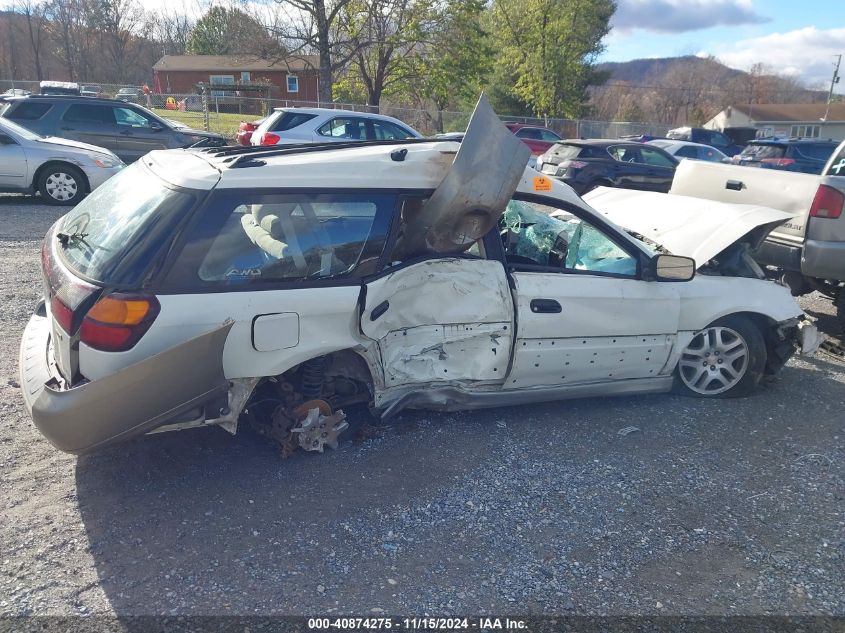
x,y
799,37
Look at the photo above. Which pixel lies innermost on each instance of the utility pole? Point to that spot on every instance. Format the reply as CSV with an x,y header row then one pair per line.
x,y
833,81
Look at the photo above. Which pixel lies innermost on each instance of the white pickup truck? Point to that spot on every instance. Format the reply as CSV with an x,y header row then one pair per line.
x,y
808,251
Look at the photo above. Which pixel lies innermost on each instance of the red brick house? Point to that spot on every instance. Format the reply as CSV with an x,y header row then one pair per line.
x,y
293,79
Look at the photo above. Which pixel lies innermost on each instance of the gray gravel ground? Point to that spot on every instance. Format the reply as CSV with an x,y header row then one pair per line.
x,y
717,507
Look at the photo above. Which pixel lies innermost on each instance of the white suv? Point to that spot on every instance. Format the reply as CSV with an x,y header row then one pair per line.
x,y
277,285
288,126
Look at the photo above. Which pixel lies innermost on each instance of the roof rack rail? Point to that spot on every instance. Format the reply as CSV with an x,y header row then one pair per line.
x,y
240,156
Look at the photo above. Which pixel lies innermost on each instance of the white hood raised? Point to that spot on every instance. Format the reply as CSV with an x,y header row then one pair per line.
x,y
687,226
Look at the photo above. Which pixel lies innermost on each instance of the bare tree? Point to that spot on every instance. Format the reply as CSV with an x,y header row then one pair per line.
x,y
36,22
117,22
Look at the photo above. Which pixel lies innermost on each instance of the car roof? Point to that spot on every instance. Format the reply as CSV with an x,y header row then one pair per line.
x,y
354,165
598,142
79,98
793,141
670,142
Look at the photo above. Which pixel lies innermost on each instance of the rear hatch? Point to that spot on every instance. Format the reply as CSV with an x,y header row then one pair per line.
x,y
757,154
108,243
564,156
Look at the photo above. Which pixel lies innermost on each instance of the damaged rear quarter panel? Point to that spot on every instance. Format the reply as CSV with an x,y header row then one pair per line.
x,y
449,320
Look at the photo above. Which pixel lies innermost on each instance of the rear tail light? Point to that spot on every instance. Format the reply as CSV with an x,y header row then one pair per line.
x,y
828,203
778,162
116,322
268,138
62,314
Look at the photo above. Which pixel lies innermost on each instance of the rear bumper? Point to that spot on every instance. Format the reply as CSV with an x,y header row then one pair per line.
x,y
130,402
824,260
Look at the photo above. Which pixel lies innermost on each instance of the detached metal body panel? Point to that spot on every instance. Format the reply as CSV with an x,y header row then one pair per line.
x,y
129,402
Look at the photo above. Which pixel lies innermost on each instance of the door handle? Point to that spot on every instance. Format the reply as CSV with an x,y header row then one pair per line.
x,y
545,306
379,310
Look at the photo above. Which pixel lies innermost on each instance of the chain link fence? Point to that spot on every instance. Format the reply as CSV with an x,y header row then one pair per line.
x,y
223,110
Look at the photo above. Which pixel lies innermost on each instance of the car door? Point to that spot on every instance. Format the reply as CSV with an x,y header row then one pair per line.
x,y
90,123
659,169
13,164
139,133
583,313
628,170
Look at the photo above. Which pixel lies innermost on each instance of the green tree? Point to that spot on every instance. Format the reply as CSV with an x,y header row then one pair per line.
x,y
549,48
223,31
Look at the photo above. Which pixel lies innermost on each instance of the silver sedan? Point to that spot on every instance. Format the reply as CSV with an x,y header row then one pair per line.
x,y
61,170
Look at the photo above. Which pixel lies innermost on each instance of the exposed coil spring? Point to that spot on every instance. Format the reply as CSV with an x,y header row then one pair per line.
x,y
312,378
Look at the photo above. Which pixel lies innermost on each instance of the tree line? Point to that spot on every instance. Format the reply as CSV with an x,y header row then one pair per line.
x,y
532,57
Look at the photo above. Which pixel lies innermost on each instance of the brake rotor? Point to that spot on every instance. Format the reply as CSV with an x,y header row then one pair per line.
x,y
319,429
300,412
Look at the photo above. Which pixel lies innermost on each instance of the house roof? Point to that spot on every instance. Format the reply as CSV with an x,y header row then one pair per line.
x,y
798,112
234,63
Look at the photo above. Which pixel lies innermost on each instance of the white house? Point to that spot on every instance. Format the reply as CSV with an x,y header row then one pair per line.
x,y
784,119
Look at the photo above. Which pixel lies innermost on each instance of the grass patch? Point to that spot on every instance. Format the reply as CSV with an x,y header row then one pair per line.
x,y
223,123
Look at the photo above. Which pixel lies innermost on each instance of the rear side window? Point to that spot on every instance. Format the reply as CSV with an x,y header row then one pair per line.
x,y
814,151
29,111
113,234
687,151
249,238
85,113
837,166
290,120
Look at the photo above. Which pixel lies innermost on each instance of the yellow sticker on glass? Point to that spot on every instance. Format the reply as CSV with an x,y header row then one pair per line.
x,y
541,183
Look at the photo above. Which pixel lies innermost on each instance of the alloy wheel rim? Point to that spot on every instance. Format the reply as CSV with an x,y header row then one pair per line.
x,y
61,186
715,361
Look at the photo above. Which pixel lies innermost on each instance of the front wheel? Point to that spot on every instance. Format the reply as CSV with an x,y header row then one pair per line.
x,y
724,360
62,185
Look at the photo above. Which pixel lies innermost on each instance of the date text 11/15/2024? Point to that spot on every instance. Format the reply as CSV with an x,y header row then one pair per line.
x,y
417,624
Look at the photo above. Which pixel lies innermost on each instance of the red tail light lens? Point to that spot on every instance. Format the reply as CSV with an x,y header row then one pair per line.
x,y
268,138
778,162
572,164
116,322
62,314
828,203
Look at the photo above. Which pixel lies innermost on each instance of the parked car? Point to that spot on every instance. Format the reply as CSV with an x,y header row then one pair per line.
x,y
587,164
803,155
693,151
538,139
327,275
130,95
720,141
62,171
91,90
245,130
285,126
807,251
59,88
16,92
127,129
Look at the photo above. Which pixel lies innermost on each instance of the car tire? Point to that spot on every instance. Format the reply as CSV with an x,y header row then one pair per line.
x,y
62,184
727,359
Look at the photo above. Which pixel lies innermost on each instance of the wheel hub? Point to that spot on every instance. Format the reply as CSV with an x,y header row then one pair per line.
x,y
715,361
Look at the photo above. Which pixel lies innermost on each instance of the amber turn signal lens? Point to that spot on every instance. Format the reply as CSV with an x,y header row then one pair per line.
x,y
114,311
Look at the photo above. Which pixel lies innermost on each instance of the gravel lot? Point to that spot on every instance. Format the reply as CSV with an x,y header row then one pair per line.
x,y
718,507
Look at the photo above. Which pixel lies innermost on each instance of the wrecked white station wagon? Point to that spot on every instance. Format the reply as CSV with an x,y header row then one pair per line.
x,y
203,287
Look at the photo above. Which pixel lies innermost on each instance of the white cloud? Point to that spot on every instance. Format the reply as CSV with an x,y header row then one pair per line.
x,y
807,53
680,16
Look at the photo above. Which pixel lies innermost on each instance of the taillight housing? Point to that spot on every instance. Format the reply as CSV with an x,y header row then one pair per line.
x,y
117,321
268,138
62,314
828,203
572,164
778,162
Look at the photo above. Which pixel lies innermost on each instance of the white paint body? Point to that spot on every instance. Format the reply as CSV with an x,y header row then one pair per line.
x,y
454,324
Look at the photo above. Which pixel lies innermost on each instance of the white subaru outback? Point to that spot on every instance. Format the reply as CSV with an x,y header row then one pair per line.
x,y
277,285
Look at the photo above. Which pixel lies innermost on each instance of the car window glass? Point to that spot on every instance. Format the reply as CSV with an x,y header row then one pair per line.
x,y
304,236
530,133
654,157
814,151
625,153
387,131
290,120
687,151
718,140
759,152
29,111
548,135
534,234
87,113
345,127
131,118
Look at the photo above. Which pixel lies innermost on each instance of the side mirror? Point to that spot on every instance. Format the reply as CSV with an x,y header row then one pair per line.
x,y
673,268
156,127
